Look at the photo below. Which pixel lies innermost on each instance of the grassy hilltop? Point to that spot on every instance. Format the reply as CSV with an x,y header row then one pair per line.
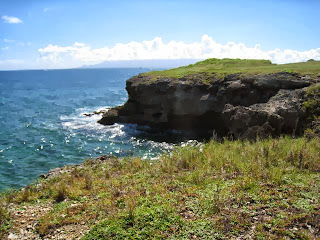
x,y
226,66
267,189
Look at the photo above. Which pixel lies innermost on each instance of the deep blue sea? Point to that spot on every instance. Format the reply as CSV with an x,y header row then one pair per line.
x,y
42,122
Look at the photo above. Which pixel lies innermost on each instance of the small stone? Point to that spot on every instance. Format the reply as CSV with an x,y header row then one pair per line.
x,y
13,236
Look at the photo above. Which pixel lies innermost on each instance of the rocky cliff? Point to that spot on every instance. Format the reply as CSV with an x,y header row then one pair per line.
x,y
237,105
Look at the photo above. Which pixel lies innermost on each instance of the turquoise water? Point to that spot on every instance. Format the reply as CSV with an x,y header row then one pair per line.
x,y
42,125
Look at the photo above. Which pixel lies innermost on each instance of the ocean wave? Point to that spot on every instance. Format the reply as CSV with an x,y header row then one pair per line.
x,y
78,119
122,139
80,123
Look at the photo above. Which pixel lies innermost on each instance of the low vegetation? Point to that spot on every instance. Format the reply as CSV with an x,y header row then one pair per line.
x,y
268,189
226,66
312,107
5,222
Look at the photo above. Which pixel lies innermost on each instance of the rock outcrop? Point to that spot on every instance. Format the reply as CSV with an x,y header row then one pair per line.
x,y
241,106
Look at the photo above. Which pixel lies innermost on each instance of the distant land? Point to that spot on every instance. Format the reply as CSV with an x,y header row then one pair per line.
x,y
148,63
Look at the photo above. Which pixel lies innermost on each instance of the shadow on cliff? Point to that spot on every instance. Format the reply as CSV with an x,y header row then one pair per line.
x,y
170,135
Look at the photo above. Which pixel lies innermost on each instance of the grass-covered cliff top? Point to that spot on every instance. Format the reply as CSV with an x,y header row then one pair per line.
x,y
268,189
226,66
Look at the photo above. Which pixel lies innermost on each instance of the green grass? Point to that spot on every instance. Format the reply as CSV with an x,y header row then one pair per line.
x,y
222,67
5,221
312,107
268,189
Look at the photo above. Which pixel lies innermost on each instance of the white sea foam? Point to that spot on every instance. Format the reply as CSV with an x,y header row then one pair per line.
x,y
78,122
116,134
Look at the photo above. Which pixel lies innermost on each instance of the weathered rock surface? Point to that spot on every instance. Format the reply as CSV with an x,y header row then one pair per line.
x,y
241,106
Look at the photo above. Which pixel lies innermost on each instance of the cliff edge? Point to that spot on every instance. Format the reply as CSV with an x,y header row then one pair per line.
x,y
227,97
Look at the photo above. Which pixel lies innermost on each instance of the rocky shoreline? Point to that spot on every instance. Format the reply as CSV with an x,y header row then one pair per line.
x,y
236,106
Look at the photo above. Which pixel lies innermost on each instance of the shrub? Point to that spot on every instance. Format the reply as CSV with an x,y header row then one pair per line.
x,y
4,218
61,192
312,104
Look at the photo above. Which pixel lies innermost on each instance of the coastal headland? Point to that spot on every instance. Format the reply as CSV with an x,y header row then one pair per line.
x,y
234,98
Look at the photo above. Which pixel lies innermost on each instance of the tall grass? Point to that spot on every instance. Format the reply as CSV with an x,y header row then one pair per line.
x,y
265,159
4,217
211,185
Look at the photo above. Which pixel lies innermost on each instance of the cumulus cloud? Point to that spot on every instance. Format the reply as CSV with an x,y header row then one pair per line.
x,y
80,53
8,40
10,19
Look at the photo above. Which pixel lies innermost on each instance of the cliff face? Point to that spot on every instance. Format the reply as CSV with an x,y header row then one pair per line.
x,y
242,106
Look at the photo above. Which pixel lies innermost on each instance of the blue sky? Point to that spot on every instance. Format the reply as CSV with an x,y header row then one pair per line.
x,y
43,33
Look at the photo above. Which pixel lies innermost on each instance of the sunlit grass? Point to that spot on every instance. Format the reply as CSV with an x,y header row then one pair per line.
x,y
5,222
217,190
223,67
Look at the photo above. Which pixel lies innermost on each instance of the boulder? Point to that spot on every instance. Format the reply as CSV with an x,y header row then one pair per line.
x,y
110,117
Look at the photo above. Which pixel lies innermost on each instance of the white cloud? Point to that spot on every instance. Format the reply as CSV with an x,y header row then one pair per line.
x,y
8,40
46,10
5,48
10,19
80,53
23,44
20,44
77,44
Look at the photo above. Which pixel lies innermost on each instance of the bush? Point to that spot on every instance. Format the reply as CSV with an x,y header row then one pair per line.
x,y
61,193
312,107
4,219
312,104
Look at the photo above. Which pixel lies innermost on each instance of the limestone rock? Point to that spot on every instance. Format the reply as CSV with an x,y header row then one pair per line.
x,y
110,117
244,106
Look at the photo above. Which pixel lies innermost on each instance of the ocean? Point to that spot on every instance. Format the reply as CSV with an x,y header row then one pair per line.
x,y
43,126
